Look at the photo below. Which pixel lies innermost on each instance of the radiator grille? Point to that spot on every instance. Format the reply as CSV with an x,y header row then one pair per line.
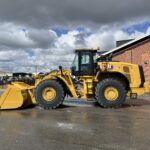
x,y
126,69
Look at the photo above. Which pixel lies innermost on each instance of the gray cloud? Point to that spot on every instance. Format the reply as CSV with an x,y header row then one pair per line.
x,y
80,39
13,37
42,38
47,13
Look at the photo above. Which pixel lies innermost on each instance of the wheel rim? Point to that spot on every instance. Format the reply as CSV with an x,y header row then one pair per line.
x,y
111,93
49,94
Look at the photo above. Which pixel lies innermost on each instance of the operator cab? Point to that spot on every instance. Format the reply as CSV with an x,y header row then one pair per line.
x,y
84,62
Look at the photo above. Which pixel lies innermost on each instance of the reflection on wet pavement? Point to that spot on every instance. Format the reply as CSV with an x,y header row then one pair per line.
x,y
71,127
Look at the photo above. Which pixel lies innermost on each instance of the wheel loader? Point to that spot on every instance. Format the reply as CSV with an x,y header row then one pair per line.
x,y
91,77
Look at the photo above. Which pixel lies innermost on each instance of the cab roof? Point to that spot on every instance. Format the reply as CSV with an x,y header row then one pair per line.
x,y
87,49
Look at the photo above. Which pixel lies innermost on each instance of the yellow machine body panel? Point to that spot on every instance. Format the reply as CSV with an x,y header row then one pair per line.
x,y
87,89
130,71
140,91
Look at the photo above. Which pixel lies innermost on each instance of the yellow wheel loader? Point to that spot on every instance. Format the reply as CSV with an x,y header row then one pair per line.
x,y
90,76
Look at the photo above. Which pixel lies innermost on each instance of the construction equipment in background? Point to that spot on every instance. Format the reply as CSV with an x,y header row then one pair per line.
x,y
23,77
90,77
27,78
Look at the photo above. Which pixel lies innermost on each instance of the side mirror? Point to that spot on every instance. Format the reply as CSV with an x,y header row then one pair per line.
x,y
60,67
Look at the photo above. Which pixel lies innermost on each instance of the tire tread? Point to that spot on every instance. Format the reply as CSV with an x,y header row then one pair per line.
x,y
52,106
102,102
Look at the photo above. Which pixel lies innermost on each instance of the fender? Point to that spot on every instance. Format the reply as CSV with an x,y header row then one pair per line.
x,y
65,78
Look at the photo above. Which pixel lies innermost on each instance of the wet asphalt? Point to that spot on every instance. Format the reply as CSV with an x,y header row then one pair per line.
x,y
78,127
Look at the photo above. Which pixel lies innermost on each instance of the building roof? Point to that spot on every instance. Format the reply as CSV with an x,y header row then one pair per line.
x,y
121,42
127,45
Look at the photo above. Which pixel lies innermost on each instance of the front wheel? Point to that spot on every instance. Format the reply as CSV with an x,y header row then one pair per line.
x,y
49,94
110,93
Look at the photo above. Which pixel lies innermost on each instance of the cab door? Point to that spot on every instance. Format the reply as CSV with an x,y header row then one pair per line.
x,y
86,63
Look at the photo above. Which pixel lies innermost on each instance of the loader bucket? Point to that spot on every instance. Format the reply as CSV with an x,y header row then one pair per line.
x,y
17,95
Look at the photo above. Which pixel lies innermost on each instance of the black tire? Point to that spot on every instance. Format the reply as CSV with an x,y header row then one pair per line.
x,y
102,100
57,100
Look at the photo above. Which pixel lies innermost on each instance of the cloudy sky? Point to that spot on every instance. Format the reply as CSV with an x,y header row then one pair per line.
x,y
41,34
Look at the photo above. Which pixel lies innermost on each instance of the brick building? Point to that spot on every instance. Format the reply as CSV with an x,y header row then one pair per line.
x,y
135,51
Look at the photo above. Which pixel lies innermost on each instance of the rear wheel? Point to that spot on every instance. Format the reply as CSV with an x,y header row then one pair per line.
x,y
110,93
49,94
